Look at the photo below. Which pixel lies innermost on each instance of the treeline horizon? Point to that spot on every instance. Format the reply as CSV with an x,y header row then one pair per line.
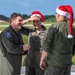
x,y
48,18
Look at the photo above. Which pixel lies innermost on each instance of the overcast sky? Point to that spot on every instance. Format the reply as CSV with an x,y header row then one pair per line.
x,y
47,7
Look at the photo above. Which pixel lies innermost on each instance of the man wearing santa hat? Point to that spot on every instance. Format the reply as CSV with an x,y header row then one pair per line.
x,y
36,36
57,49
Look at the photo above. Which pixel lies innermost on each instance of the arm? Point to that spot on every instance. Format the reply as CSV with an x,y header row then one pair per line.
x,y
73,49
48,41
25,31
42,61
46,47
10,46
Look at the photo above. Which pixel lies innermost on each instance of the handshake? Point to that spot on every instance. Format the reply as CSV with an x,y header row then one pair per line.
x,y
26,47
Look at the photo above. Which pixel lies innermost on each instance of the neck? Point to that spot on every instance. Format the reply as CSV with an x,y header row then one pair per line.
x,y
39,29
61,18
14,28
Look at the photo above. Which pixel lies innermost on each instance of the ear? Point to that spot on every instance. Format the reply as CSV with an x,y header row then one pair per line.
x,y
12,21
58,15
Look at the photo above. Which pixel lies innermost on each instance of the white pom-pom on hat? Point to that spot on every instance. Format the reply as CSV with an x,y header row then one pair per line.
x,y
70,36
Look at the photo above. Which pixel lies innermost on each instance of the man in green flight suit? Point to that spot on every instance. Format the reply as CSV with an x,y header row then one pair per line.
x,y
12,47
57,49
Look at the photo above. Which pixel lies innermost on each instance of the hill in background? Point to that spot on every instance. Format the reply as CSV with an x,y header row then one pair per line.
x,y
2,17
48,18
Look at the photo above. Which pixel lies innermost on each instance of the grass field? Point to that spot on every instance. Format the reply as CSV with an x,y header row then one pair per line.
x,y
25,37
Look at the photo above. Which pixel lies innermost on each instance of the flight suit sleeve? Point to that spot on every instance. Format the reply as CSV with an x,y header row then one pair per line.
x,y
25,30
43,40
49,39
10,46
73,49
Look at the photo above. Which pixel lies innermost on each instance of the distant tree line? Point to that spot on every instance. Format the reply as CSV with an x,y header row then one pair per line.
x,y
2,17
48,18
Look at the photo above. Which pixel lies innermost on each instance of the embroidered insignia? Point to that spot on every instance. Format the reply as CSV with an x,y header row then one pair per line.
x,y
8,35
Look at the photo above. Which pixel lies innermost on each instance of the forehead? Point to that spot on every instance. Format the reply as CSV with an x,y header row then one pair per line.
x,y
36,17
19,17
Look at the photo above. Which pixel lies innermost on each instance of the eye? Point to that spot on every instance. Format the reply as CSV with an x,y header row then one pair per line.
x,y
36,20
20,20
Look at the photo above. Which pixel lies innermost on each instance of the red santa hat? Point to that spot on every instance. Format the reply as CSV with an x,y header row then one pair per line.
x,y
64,10
37,13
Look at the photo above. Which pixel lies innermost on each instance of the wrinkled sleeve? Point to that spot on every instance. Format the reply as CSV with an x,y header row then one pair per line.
x,y
73,49
49,39
25,30
9,44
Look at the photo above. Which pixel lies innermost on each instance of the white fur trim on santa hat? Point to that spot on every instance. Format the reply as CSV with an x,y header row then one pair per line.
x,y
61,12
36,15
70,36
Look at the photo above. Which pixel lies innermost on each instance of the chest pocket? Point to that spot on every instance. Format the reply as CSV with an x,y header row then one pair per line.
x,y
36,40
18,39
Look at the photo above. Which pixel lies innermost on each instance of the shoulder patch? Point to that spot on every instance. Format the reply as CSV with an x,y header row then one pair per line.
x,y
8,34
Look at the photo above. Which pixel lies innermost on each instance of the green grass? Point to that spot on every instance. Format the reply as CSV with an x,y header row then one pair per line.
x,y
2,28
4,23
73,59
25,39
23,57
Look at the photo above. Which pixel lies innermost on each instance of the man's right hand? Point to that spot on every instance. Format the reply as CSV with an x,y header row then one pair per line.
x,y
26,47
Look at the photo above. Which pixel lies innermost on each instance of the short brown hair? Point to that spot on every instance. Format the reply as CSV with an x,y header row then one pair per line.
x,y
14,15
